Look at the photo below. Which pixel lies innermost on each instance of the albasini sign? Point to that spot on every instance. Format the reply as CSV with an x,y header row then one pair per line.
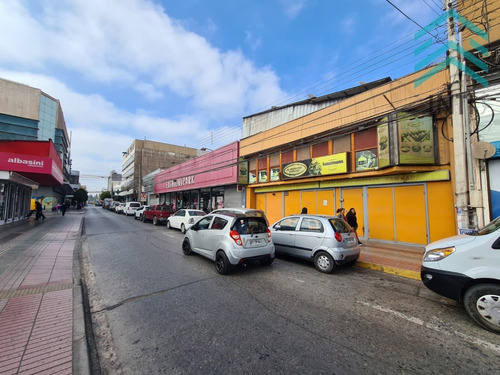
x,y
321,166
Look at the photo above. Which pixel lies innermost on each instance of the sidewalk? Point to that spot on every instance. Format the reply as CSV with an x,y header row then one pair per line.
x,y
41,312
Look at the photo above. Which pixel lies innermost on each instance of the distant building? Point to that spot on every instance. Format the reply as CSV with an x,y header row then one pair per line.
x,y
143,157
34,150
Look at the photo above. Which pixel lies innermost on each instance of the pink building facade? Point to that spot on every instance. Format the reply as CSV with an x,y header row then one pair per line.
x,y
207,182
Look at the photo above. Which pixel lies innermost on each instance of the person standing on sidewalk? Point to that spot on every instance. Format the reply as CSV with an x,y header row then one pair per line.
x,y
352,220
39,211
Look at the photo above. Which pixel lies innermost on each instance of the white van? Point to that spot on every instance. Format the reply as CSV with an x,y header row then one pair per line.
x,y
466,268
130,208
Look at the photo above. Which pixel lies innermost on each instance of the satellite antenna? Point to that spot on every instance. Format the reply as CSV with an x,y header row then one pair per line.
x,y
483,150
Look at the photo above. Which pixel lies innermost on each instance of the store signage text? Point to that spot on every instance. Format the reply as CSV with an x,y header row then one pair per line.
x,y
183,181
321,166
29,163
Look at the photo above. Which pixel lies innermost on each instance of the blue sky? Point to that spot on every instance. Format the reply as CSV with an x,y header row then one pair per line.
x,y
187,72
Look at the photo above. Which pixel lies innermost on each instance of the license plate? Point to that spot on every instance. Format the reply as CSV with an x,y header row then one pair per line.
x,y
254,242
349,240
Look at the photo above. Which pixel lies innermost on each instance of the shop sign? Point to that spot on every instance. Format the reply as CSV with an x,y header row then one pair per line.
x,y
243,173
416,139
183,181
322,166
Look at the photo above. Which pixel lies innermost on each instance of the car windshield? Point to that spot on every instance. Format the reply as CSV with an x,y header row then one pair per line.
x,y
340,225
490,228
250,225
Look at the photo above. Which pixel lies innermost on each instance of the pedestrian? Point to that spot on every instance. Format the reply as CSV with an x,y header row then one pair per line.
x,y
58,208
63,208
352,220
341,213
39,211
304,210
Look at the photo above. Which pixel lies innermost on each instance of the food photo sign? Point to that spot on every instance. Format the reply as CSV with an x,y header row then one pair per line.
x,y
416,139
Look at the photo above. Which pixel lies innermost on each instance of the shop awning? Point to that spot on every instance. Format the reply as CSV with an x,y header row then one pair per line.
x,y
126,192
14,177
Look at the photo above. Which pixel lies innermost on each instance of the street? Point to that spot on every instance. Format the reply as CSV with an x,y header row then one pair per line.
x,y
157,311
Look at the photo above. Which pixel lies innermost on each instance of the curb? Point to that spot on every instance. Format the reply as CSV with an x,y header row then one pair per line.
x,y
392,270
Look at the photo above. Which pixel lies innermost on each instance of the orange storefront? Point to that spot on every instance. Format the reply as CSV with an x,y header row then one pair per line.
x,y
383,152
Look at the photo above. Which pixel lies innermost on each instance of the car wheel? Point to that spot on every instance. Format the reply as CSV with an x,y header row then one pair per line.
x,y
168,224
155,220
222,264
482,303
143,218
186,247
183,228
267,261
324,262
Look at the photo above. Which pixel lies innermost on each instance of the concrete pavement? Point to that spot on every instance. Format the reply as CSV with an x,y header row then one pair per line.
x,y
42,327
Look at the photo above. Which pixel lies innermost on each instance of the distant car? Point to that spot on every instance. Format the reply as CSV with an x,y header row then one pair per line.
x,y
113,205
138,213
120,208
230,240
184,219
466,268
328,241
130,208
157,213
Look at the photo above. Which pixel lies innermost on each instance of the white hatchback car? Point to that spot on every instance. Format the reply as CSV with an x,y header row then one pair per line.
x,y
184,219
138,213
327,241
230,240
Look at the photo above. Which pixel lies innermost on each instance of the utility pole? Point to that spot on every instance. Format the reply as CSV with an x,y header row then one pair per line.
x,y
459,146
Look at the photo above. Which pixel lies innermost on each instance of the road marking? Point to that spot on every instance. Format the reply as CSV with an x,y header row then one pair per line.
x,y
435,327
169,235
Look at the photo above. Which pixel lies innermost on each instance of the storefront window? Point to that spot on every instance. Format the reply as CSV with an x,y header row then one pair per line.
x,y
205,204
194,199
3,198
217,198
274,164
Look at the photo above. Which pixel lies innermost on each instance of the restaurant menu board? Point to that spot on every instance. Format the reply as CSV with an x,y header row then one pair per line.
x,y
243,173
324,165
384,158
416,139
275,174
263,176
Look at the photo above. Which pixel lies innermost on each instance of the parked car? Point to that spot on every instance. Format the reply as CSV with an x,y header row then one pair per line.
x,y
138,213
113,205
184,219
466,268
236,210
119,209
157,213
230,240
130,208
328,241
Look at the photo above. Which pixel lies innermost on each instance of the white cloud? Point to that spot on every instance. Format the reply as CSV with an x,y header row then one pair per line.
x,y
101,58
292,8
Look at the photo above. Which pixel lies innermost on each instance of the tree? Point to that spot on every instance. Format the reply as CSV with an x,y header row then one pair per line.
x,y
105,194
81,196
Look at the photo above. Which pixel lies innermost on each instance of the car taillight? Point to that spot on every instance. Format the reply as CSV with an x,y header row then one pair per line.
x,y
338,236
268,235
236,237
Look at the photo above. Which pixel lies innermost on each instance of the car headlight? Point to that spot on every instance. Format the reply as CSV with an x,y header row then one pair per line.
x,y
438,254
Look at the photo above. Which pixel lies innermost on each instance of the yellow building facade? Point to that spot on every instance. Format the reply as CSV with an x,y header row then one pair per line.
x,y
387,152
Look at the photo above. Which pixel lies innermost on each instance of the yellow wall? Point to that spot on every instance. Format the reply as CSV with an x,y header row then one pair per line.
x,y
353,198
292,202
325,196
409,202
442,221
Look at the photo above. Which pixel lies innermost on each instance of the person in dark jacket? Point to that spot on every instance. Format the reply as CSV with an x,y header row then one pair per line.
x,y
352,220
39,211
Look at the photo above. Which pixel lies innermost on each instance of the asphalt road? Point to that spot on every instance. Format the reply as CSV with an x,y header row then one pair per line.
x,y
157,311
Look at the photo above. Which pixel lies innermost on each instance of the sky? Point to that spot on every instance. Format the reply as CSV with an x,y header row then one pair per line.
x,y
187,72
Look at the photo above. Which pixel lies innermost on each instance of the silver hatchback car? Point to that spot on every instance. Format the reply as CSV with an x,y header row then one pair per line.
x,y
327,241
230,239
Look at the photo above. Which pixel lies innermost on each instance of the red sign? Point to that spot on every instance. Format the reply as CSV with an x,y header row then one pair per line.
x,y
31,165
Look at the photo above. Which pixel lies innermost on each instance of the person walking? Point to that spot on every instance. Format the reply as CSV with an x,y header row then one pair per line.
x,y
63,208
352,220
39,211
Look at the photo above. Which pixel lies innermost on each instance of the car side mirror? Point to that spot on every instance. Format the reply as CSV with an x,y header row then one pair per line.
x,y
277,227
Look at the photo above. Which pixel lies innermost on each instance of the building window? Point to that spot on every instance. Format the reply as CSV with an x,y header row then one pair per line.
x,y
274,167
320,149
303,153
287,157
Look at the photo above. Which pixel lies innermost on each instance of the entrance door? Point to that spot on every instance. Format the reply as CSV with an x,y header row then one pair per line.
x,y
381,213
353,198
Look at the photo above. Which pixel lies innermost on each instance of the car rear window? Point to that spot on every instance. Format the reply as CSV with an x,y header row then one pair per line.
x,y
249,225
135,205
340,225
196,213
